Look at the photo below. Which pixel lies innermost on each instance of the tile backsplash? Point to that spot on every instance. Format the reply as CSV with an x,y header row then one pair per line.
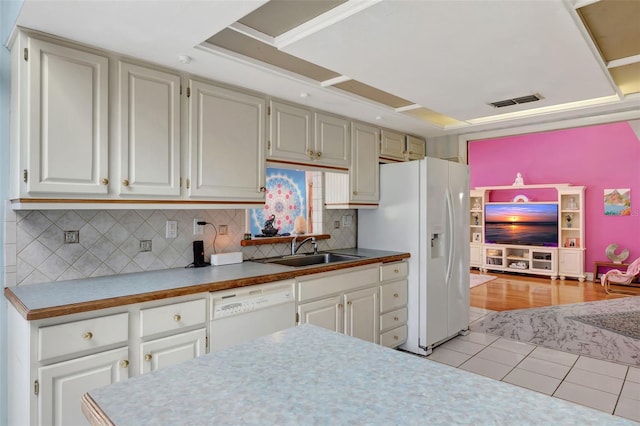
x,y
109,241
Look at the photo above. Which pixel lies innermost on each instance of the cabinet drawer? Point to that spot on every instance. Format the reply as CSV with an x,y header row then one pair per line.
x,y
332,283
172,317
393,295
395,337
78,336
393,271
393,319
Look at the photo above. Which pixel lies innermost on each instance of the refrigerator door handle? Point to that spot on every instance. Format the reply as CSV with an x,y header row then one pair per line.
x,y
451,240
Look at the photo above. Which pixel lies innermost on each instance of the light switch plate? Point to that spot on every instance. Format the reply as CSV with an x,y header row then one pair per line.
x,y
171,229
347,221
198,229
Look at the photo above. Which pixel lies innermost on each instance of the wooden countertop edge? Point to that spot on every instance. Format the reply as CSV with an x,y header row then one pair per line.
x,y
275,240
55,311
93,413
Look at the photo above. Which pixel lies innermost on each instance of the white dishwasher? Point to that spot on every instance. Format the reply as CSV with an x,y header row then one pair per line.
x,y
245,313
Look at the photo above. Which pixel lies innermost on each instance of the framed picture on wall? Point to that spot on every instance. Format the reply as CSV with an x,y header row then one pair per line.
x,y
477,237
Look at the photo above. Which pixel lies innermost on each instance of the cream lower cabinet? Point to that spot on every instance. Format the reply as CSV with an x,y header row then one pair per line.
x,y
63,384
346,302
161,353
168,334
394,289
52,362
571,263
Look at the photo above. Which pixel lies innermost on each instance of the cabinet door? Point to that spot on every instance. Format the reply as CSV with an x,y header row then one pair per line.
x,y
67,120
149,131
364,174
416,148
362,314
327,313
333,143
63,384
226,143
571,262
171,350
290,133
392,145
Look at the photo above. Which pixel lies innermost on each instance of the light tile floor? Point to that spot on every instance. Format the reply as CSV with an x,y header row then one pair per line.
x,y
605,386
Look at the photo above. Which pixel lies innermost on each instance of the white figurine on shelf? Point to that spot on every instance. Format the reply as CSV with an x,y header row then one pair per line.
x,y
519,181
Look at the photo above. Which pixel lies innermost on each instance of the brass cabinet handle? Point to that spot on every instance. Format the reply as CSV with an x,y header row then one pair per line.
x,y
105,181
395,294
349,303
148,357
355,192
124,363
263,189
395,337
125,182
396,270
88,335
310,153
177,317
340,305
396,318
318,154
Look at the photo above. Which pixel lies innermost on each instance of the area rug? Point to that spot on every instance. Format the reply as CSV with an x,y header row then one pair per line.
x,y
477,279
602,329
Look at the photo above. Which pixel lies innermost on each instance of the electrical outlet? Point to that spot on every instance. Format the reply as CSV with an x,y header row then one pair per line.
x,y
347,221
198,229
145,245
336,224
224,229
171,230
71,237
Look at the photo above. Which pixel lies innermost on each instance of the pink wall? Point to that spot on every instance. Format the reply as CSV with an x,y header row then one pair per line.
x,y
597,157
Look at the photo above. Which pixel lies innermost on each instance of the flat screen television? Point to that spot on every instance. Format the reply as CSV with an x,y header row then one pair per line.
x,y
532,224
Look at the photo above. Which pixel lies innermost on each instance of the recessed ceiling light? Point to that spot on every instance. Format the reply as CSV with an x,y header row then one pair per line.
x,y
184,59
304,95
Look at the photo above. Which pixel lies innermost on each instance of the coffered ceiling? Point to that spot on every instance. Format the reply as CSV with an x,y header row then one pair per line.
x,y
429,67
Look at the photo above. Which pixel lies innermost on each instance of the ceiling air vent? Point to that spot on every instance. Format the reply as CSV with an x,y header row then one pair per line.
x,y
515,101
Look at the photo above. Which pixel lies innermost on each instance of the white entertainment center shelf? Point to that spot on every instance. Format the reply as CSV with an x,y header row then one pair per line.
x,y
565,260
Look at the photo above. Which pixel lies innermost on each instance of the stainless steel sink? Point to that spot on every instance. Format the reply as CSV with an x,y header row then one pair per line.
x,y
309,259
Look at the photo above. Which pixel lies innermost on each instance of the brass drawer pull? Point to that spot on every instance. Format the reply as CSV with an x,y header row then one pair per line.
x,y
396,318
105,181
124,363
88,335
397,271
177,317
395,295
148,357
125,182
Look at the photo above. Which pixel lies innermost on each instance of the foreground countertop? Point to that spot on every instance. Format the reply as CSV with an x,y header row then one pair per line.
x,y
308,375
38,301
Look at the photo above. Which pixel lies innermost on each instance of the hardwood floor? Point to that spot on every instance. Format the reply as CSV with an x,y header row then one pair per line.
x,y
514,291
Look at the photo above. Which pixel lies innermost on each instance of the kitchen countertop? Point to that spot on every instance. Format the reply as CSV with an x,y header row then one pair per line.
x,y
39,301
308,375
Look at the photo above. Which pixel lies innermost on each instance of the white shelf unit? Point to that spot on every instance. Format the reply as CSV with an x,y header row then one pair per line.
x,y
476,227
565,261
525,259
571,233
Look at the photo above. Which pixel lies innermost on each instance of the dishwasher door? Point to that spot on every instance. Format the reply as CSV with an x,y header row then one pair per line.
x,y
245,313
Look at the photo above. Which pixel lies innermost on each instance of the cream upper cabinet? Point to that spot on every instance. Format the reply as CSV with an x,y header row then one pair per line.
x,y
149,131
416,148
290,133
392,146
364,178
361,187
65,128
332,140
226,143
299,136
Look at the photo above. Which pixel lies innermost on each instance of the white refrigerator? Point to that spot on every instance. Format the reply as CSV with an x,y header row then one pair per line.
x,y
424,210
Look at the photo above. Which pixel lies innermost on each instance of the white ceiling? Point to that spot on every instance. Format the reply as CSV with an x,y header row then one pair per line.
x,y
452,57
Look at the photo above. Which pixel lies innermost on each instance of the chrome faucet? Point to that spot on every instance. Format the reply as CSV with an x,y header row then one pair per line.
x,y
295,247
